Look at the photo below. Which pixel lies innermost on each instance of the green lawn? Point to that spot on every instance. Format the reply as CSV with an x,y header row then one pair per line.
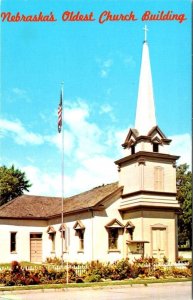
x,y
22,263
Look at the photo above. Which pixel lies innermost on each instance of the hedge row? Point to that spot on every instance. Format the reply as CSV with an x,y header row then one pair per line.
x,y
95,271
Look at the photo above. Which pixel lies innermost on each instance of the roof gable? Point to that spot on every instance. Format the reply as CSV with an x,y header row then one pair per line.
x,y
129,224
78,225
158,136
51,229
114,224
40,207
155,135
62,227
131,138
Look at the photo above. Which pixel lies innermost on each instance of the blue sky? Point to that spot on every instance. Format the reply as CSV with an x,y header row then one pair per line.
x,y
99,65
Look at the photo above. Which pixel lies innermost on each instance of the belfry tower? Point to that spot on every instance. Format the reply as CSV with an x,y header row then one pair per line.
x,y
148,176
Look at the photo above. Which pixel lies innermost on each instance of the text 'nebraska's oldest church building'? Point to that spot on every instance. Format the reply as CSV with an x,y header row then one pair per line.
x,y
134,217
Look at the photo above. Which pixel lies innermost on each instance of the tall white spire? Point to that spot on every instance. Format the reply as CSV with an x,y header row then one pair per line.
x,y
145,113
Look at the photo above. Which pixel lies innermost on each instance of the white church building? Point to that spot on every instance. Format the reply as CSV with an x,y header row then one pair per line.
x,y
134,217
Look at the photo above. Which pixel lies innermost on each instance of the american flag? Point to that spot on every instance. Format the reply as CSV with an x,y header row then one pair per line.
x,y
60,114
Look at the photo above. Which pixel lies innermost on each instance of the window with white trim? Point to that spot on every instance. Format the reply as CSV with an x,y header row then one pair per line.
x,y
52,236
81,239
13,242
114,229
53,239
80,230
113,238
63,229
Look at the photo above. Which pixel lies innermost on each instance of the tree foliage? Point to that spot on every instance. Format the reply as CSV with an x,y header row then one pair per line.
x,y
13,183
184,196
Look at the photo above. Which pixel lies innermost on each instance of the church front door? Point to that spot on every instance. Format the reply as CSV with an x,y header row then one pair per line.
x,y
159,243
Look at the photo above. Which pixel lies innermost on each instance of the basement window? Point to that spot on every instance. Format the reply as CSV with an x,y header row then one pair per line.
x,y
13,242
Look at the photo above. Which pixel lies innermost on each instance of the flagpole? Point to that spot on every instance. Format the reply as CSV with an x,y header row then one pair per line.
x,y
60,128
62,178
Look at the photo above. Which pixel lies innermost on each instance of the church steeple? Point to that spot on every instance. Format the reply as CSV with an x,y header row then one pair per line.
x,y
146,135
145,113
147,175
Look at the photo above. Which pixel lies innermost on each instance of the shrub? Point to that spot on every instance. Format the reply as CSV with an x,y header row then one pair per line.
x,y
123,269
93,278
18,276
165,260
54,260
116,271
15,267
181,273
159,272
151,261
79,280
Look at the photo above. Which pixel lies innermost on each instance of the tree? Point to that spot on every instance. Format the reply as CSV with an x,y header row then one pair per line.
x,y
13,183
184,196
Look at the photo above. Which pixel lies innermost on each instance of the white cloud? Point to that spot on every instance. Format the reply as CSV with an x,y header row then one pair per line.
x,y
19,133
43,183
181,145
114,140
21,94
91,150
105,108
103,73
75,114
92,164
86,134
21,136
130,61
91,160
107,63
105,66
80,135
56,140
102,168
92,172
108,110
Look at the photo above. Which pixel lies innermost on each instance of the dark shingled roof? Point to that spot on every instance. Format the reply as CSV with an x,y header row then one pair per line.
x,y
41,207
